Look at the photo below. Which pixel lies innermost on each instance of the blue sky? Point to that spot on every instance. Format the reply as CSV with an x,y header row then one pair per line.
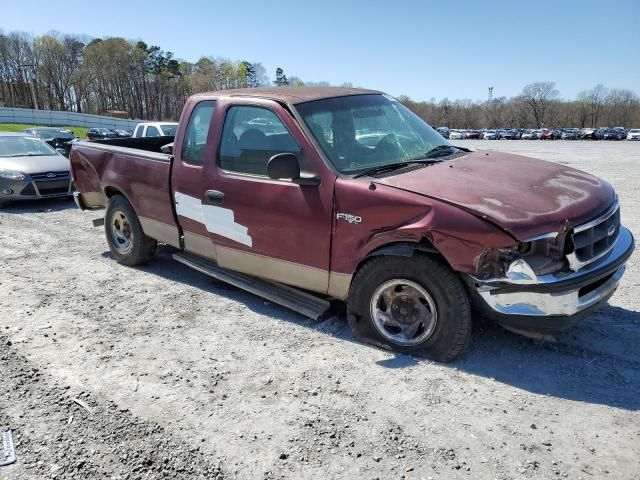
x,y
423,49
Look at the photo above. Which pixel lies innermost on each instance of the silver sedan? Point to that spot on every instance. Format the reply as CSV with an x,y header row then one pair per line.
x,y
31,169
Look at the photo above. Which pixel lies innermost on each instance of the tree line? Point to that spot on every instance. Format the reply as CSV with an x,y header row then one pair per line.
x,y
136,80
537,106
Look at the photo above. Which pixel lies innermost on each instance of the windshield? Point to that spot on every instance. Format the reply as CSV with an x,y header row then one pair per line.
x,y
52,133
359,132
24,146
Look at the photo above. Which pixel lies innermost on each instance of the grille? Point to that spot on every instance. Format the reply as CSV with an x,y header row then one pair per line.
x,y
52,187
594,239
44,176
28,190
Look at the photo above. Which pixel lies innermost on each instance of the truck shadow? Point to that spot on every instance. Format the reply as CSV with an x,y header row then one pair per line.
x,y
597,362
43,206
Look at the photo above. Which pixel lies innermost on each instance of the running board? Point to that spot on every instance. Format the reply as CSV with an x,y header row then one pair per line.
x,y
304,303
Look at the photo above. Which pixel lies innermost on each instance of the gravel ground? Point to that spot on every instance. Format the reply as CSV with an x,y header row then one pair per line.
x,y
185,377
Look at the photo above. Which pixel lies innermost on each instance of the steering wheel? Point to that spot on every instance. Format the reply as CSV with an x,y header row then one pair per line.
x,y
389,146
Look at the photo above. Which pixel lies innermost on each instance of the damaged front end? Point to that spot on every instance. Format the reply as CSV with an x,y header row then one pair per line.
x,y
525,261
537,286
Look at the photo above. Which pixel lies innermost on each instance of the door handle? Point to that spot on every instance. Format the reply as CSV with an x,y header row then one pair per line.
x,y
214,196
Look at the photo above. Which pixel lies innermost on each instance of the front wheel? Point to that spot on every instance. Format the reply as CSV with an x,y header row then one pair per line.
x,y
411,305
127,241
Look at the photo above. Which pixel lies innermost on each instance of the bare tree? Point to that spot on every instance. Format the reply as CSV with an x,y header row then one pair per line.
x,y
537,96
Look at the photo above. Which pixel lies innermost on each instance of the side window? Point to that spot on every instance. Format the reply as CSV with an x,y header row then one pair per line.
x,y
138,132
152,131
195,138
250,137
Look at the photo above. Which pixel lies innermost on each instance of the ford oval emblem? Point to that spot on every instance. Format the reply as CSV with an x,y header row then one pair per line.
x,y
611,230
51,175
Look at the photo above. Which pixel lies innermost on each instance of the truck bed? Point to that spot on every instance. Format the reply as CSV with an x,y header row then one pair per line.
x,y
103,169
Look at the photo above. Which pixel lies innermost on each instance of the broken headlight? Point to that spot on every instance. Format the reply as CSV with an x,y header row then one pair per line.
x,y
525,261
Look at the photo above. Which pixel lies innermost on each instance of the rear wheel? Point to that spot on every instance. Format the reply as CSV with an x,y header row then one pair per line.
x,y
412,305
127,241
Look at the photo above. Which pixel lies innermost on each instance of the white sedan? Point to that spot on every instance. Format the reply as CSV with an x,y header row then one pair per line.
x,y
634,134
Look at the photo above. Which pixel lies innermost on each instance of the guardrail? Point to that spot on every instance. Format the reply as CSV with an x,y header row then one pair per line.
x,y
53,118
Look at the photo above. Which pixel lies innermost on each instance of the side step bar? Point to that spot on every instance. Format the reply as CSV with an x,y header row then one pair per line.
x,y
304,303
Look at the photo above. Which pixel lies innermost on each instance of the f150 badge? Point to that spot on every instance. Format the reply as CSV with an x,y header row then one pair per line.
x,y
349,218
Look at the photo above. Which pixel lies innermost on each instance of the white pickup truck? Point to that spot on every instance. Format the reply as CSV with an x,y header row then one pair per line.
x,y
155,129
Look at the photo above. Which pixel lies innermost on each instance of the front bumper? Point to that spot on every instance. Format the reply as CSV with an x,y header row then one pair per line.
x,y
557,301
31,188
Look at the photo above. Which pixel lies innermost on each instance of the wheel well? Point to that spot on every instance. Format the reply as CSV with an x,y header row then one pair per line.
x,y
111,191
403,249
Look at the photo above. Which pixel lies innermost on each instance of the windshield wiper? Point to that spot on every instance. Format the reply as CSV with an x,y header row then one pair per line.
x,y
437,150
393,166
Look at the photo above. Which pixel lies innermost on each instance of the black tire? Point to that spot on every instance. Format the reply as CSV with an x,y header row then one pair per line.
x,y
452,331
127,241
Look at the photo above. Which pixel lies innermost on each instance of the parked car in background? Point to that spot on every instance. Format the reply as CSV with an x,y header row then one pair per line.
x,y
456,135
528,135
58,138
155,129
509,134
491,135
444,131
633,134
551,134
123,133
473,134
100,134
31,169
614,134
570,134
410,234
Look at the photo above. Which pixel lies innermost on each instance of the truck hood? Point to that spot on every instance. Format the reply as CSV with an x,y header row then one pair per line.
x,y
523,196
36,163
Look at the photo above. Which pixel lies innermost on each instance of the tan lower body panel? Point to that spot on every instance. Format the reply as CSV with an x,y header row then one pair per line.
x,y
339,284
94,199
289,273
294,274
200,245
160,231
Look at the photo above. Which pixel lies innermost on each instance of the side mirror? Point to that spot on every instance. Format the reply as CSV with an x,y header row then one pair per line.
x,y
283,166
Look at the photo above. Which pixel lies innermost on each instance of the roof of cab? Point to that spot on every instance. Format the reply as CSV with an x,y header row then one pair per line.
x,y
290,95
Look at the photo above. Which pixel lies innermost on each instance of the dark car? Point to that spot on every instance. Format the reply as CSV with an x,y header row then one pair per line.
x,y
614,134
100,134
123,133
58,138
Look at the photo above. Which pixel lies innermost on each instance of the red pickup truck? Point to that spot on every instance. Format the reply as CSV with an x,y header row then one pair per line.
x,y
310,195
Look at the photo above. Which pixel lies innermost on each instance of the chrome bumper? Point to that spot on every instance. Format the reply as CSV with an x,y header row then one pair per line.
x,y
560,294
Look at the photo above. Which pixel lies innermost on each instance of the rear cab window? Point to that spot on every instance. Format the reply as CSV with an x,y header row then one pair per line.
x,y
250,137
195,138
152,131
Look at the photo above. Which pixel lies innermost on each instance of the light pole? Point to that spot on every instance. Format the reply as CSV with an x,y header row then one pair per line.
x,y
31,75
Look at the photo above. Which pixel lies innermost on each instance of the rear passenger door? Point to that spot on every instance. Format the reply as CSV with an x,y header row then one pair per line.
x,y
274,229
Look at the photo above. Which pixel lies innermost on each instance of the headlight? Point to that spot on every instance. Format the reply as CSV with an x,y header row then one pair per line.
x,y
11,175
525,261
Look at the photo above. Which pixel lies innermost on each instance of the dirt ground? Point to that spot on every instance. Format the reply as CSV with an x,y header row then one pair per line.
x,y
160,372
